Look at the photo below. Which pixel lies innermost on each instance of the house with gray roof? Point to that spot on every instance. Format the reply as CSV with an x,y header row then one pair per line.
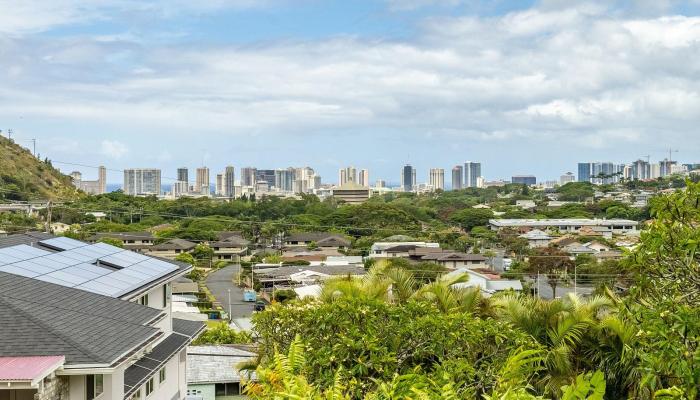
x,y
321,239
88,321
213,371
172,248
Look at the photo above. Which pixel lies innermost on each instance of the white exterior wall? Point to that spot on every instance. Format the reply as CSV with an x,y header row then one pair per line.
x,y
77,387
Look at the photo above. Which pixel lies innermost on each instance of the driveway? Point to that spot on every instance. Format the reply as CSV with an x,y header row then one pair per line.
x,y
219,283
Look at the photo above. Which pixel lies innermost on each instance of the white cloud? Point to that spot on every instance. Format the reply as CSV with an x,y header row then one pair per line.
x,y
555,76
113,149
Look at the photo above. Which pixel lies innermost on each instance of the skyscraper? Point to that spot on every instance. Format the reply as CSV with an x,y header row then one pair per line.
x,y
585,171
472,170
457,177
566,178
265,175
524,179
363,178
202,184
248,175
408,178
183,175
641,170
142,181
347,174
284,179
219,185
101,180
229,181
437,178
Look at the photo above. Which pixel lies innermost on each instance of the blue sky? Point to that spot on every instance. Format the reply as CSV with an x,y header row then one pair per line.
x,y
525,87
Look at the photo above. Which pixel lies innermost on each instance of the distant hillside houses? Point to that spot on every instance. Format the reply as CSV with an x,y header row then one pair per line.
x,y
567,225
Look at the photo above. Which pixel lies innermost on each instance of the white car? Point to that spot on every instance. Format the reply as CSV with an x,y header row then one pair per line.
x,y
507,262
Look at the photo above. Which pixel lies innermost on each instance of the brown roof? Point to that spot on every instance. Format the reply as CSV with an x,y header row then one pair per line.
x,y
454,257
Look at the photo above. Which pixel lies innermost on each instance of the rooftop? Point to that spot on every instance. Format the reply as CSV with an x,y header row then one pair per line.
x,y
31,368
215,364
561,222
87,328
99,268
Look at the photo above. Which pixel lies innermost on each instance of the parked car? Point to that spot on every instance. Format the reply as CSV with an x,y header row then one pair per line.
x,y
259,306
250,296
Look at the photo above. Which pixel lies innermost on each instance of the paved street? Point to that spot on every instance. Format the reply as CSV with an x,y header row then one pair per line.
x,y
219,282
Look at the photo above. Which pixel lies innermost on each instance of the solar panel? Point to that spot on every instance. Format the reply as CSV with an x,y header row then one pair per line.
x,y
62,243
51,279
18,271
30,266
87,267
100,288
68,277
107,248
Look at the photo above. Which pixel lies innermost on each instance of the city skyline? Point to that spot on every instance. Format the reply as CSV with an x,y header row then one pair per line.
x,y
376,84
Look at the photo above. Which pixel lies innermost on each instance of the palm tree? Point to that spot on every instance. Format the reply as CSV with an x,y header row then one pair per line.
x,y
564,327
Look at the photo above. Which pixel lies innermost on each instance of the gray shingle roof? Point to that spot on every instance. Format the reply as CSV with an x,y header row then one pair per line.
x,y
29,238
41,318
175,244
138,373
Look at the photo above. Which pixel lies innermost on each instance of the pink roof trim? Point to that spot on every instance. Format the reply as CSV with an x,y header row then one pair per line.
x,y
28,368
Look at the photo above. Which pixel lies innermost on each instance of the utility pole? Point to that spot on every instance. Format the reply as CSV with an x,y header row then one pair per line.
x,y
538,284
230,310
575,270
9,133
34,147
48,217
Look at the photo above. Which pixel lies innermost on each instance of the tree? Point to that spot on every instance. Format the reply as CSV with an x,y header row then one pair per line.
x,y
202,252
221,333
186,258
552,263
472,217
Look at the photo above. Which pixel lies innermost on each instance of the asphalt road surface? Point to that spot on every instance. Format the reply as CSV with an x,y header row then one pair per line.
x,y
220,282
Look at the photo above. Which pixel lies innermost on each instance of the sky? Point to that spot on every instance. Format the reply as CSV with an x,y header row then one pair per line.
x,y
524,87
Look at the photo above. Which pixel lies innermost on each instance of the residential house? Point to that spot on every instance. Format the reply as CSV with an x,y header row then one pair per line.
x,y
136,241
231,248
536,238
88,321
525,204
577,248
320,239
270,276
172,248
568,225
213,371
488,281
454,260
397,249
597,246
608,255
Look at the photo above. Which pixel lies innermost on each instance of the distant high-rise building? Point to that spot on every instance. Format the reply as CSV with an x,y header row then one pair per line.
x,y
347,174
179,189
363,178
666,166
265,175
457,177
219,185
655,171
284,179
641,170
92,187
566,178
472,170
380,184
142,181
585,171
102,179
183,174
248,175
437,178
202,183
599,173
528,180
408,178
229,181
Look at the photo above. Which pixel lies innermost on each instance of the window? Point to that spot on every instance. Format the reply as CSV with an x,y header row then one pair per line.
x,y
143,300
136,395
165,295
161,375
149,387
94,385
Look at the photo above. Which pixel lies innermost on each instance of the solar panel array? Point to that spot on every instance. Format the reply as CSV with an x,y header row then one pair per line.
x,y
98,268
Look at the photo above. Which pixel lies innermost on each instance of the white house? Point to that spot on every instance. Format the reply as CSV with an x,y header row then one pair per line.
x,y
89,321
213,372
536,238
569,225
487,281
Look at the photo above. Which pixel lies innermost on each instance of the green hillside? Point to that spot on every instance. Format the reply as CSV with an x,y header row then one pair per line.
x,y
24,177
